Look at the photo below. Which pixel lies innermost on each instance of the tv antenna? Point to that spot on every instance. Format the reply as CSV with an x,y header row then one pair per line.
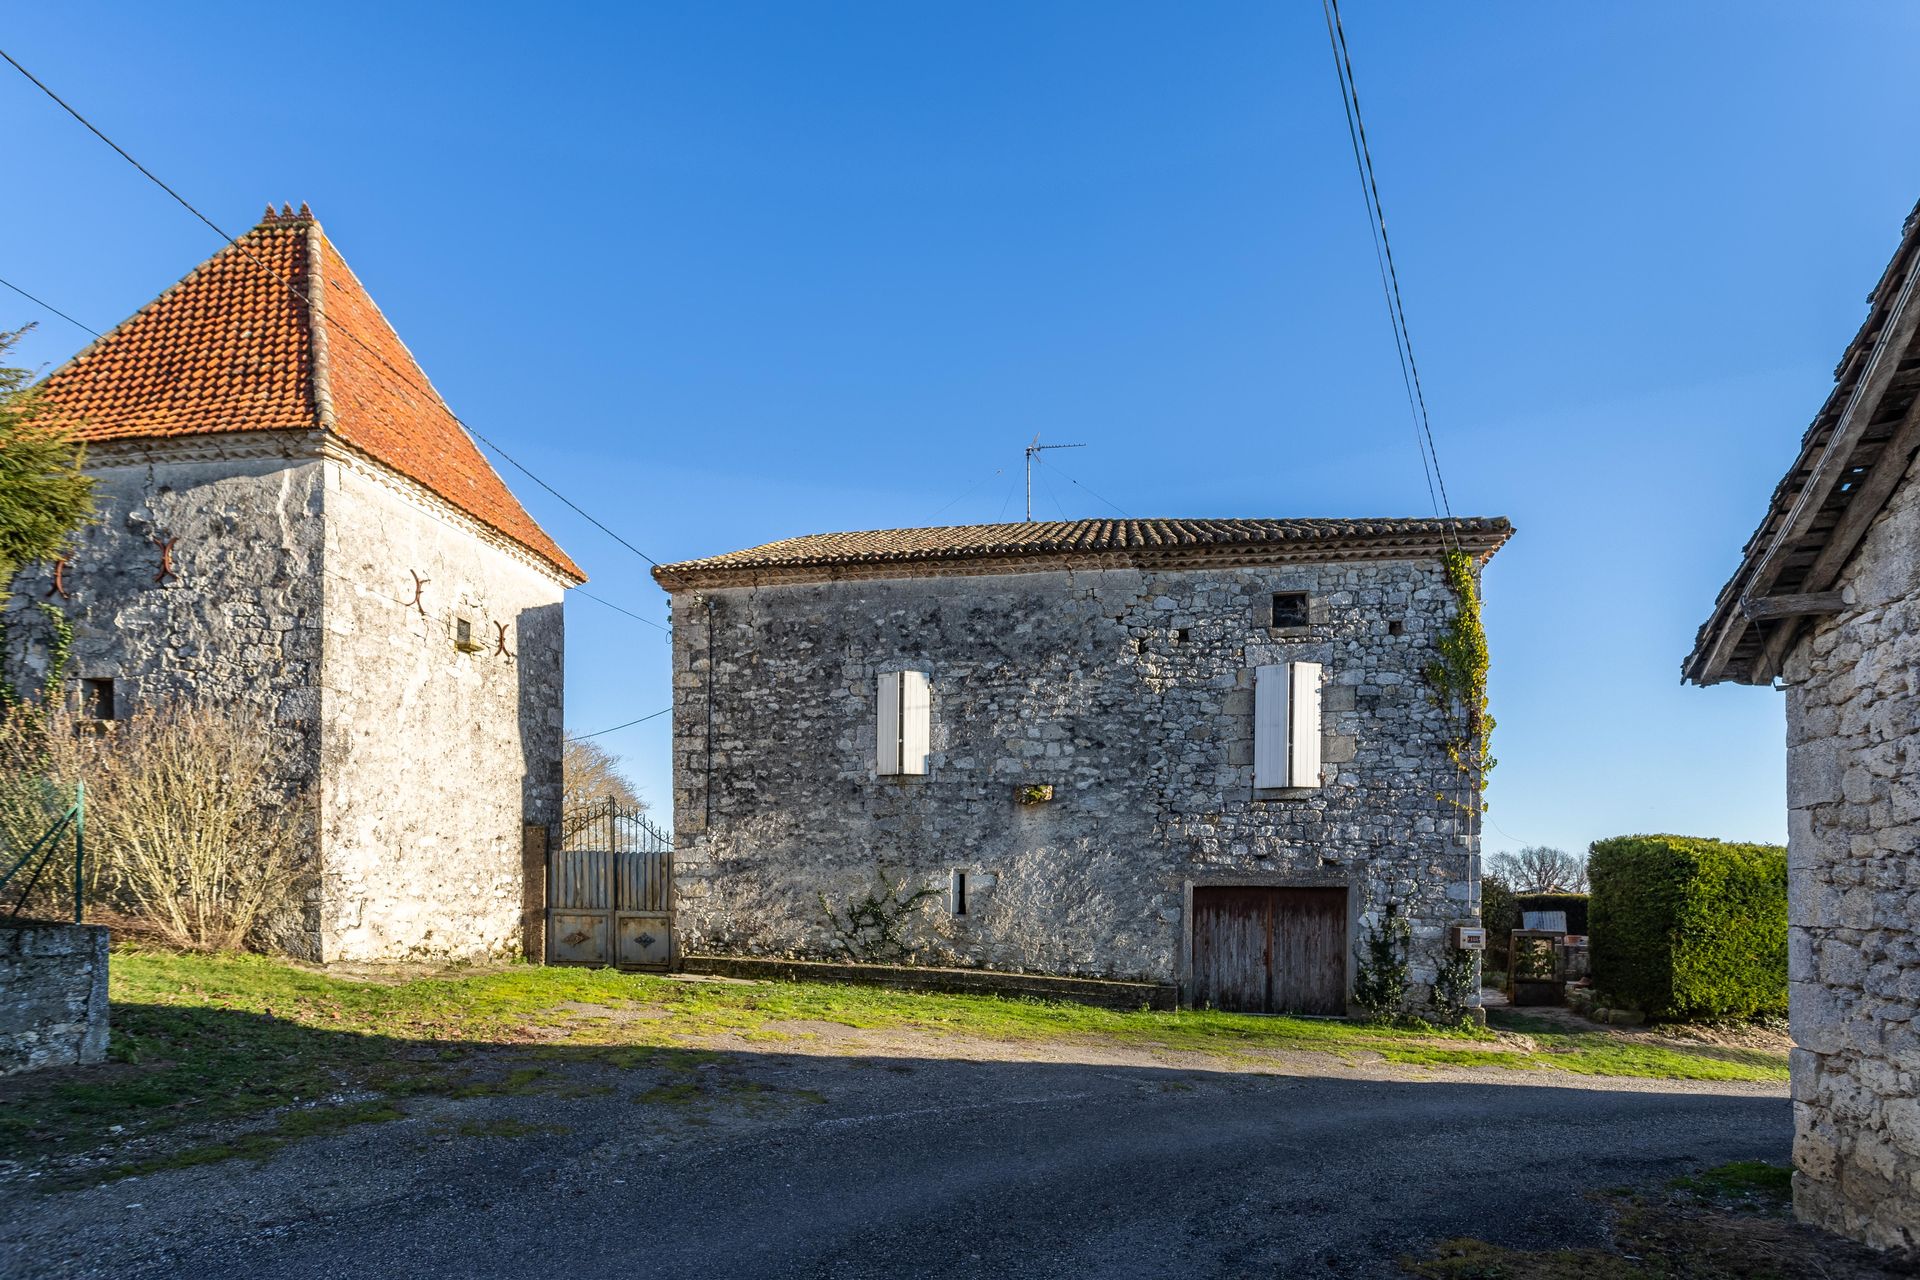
x,y
1032,449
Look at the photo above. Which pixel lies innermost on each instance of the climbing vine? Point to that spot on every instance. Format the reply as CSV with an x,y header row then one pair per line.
x,y
59,650
869,932
1458,679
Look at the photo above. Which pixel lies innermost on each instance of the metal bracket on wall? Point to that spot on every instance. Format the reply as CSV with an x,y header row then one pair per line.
x,y
59,587
500,640
166,559
419,593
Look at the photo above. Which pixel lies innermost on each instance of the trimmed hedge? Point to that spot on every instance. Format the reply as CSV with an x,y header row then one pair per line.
x,y
1685,927
1574,904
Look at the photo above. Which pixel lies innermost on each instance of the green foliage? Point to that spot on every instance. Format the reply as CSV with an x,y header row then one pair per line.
x,y
59,650
1458,681
869,932
1380,984
1455,985
1685,927
1574,904
1500,916
44,495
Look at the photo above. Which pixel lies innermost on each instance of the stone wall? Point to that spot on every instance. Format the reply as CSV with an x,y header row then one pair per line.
x,y
434,756
417,763
1131,692
237,622
1853,792
53,995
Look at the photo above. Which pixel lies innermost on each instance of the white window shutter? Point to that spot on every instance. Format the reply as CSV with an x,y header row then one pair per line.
x,y
887,723
1303,756
916,722
1270,726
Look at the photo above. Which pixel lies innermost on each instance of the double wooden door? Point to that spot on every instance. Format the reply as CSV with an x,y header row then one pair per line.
x,y
1270,949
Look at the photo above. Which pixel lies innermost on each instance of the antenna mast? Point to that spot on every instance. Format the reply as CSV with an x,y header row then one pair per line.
x,y
1032,449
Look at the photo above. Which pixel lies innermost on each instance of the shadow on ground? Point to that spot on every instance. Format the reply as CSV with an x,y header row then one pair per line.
x,y
315,1153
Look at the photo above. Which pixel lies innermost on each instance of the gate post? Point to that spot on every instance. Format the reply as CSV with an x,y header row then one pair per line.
x,y
533,891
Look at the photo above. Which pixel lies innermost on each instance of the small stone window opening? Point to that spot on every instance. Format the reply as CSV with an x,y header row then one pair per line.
x,y
1289,609
1182,635
1395,627
957,893
96,699
463,636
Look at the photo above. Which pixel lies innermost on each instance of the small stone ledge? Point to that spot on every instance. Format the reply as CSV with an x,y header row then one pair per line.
x,y
1100,992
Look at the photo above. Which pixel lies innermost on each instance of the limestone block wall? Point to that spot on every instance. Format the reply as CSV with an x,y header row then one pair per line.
x,y
433,756
1853,791
236,622
1130,692
53,995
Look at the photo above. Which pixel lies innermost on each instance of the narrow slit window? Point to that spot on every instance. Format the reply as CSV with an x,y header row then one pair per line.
x,y
96,699
1289,609
957,893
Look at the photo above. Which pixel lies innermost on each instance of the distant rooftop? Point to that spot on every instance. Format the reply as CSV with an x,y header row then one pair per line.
x,y
1030,547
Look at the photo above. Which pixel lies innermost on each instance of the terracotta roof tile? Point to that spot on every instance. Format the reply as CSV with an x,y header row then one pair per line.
x,y
1143,543
233,348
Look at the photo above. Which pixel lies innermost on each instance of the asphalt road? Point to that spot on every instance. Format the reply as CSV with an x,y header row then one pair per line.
x,y
805,1168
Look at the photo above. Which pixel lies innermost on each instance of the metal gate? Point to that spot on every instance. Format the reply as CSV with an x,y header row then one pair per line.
x,y
610,890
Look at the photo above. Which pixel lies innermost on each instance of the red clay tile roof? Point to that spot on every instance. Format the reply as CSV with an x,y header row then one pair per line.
x,y
233,348
907,553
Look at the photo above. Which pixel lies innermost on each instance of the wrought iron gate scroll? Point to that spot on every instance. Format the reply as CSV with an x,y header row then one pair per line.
x,y
610,890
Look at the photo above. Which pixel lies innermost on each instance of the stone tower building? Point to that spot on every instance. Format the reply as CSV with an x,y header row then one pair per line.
x,y
1200,752
291,520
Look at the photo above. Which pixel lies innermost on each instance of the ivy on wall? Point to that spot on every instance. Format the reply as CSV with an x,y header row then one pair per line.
x,y
1458,680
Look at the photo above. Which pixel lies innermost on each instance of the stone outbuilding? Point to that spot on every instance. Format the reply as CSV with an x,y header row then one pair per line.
x,y
291,521
1826,606
1191,751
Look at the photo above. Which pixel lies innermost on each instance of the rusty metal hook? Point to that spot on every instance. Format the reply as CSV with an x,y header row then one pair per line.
x,y
419,593
59,587
500,639
166,558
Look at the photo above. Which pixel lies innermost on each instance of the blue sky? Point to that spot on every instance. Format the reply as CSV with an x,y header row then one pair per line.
x,y
732,272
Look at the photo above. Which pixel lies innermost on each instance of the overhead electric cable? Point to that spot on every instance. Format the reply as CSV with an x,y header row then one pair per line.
x,y
48,306
1390,282
297,292
617,609
580,737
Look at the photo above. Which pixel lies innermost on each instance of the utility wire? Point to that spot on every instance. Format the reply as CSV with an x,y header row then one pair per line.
x,y
1390,282
297,292
617,609
1076,484
968,490
47,306
581,737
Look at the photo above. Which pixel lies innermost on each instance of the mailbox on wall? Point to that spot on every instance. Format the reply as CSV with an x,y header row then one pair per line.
x,y
1469,937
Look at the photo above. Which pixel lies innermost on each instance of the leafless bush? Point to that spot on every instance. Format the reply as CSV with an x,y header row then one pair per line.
x,y
188,818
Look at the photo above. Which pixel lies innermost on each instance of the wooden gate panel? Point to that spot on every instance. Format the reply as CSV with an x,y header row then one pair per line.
x,y
1269,949
1310,951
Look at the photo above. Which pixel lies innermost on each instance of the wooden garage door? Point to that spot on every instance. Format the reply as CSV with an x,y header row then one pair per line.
x,y
1270,950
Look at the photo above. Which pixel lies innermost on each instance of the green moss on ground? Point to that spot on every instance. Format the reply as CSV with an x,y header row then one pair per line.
x,y
200,1039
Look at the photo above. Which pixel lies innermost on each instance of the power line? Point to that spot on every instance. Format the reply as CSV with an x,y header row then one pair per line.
x,y
581,737
617,609
1390,282
968,490
233,242
47,306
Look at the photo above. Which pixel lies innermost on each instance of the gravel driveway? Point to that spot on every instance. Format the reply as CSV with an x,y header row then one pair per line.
x,y
745,1164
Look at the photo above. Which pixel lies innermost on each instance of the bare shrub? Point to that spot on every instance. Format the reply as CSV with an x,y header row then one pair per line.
x,y
191,819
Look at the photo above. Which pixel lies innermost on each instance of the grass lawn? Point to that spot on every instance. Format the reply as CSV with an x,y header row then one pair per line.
x,y
200,1039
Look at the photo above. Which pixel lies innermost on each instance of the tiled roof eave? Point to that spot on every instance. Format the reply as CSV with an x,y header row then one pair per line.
x,y
1172,556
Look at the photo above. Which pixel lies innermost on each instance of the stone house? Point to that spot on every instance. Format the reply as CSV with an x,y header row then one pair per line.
x,y
292,521
1826,605
1190,751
